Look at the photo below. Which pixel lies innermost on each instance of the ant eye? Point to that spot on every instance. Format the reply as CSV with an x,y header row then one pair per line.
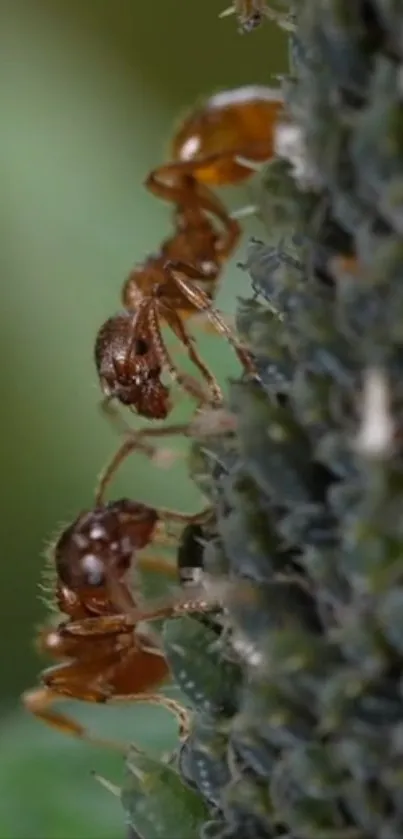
x,y
93,570
140,347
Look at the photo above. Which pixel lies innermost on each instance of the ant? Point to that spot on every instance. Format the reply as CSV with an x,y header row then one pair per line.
x,y
219,143
130,352
251,14
106,650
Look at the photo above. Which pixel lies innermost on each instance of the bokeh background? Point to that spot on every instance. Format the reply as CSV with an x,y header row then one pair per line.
x,y
89,92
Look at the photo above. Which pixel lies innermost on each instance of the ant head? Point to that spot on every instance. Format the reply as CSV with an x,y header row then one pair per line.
x,y
129,369
102,542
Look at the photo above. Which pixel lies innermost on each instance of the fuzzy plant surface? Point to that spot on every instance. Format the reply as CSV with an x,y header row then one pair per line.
x,y
297,692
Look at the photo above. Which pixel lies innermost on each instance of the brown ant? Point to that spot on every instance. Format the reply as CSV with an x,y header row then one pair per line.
x,y
251,13
131,354
106,650
217,144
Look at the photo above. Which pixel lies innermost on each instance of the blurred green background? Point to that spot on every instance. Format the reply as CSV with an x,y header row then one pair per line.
x,y
89,92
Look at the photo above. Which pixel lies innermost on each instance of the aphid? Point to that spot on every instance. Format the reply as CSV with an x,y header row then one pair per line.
x,y
190,555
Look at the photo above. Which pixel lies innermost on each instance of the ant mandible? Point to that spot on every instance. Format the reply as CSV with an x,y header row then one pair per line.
x,y
104,655
219,143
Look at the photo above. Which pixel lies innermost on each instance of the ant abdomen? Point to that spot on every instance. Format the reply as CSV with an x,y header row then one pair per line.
x,y
129,369
229,125
102,541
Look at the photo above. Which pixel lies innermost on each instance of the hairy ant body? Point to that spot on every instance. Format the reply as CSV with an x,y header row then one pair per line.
x,y
107,651
217,144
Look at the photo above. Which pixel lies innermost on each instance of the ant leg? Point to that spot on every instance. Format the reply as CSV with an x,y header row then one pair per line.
x,y
174,321
230,239
184,518
175,606
249,163
113,415
178,182
39,701
126,448
188,383
163,537
245,212
136,441
175,708
101,626
202,302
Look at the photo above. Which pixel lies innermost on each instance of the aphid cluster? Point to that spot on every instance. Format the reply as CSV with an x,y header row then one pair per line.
x,y
104,642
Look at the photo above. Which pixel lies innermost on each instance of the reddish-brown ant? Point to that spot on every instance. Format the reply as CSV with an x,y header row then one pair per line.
x,y
106,650
251,13
217,144
131,354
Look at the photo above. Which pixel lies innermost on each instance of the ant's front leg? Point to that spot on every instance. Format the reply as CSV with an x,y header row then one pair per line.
x,y
99,626
136,441
190,385
181,273
168,607
109,410
174,321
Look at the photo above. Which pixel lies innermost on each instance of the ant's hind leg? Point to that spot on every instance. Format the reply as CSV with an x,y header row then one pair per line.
x,y
39,701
